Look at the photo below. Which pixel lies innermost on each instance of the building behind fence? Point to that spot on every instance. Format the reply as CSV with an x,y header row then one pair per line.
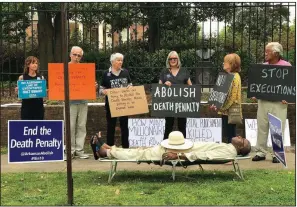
x,y
202,34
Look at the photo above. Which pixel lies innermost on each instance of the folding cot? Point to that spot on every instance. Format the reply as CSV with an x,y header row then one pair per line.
x,y
176,163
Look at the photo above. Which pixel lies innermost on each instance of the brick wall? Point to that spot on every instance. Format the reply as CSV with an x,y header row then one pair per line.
x,y
96,118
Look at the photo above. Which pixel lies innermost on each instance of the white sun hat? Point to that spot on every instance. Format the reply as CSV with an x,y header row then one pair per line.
x,y
177,141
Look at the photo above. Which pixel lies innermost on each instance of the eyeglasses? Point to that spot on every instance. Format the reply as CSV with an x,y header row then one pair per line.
x,y
172,59
78,55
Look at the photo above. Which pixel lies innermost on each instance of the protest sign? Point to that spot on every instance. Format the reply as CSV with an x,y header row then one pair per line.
x,y
251,133
175,101
145,132
81,81
31,89
204,129
221,89
272,82
127,101
35,141
275,126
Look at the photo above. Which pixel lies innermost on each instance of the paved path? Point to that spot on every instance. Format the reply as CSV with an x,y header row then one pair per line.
x,y
93,165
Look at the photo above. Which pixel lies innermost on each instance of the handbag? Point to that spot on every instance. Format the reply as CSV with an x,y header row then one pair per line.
x,y
234,115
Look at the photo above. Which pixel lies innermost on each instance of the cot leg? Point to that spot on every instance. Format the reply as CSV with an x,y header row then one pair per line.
x,y
237,169
173,169
201,168
112,171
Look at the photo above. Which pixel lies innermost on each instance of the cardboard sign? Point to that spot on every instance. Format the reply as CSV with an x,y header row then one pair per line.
x,y
251,133
31,89
275,126
145,132
81,81
127,101
176,100
221,89
272,82
35,141
204,129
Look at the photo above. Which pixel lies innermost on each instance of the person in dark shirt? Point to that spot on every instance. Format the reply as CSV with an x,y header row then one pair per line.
x,y
32,108
116,77
174,74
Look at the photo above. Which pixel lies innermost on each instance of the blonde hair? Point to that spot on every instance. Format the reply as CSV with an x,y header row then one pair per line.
x,y
178,60
28,61
276,48
234,60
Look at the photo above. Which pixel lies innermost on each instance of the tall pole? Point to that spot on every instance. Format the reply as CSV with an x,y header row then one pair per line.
x,y
64,53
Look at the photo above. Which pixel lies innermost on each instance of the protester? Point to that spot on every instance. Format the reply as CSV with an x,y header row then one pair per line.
x,y
273,56
174,74
78,114
231,64
32,108
116,77
175,147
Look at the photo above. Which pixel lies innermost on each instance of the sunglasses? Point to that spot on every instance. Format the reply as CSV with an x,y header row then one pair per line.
x,y
172,59
78,55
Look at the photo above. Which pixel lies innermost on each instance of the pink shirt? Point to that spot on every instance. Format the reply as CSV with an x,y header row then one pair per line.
x,y
281,62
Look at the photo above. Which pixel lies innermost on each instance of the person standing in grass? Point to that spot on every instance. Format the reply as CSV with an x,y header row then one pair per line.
x,y
273,56
174,74
32,108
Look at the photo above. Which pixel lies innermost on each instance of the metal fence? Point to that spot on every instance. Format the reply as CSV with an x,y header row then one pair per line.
x,y
202,33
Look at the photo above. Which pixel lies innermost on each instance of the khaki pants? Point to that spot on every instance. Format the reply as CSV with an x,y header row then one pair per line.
x,y
78,120
264,107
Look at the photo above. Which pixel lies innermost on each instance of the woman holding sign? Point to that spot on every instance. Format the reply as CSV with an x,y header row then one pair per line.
x,y
174,74
116,77
32,108
231,64
273,56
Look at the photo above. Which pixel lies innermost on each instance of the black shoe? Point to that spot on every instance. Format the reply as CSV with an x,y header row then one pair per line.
x,y
275,160
258,158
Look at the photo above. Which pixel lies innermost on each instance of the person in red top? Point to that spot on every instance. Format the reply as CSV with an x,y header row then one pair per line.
x,y
273,56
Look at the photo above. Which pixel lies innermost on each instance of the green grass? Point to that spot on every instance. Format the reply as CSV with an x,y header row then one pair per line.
x,y
261,187
4,150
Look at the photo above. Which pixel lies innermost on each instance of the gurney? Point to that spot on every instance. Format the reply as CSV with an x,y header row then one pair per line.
x,y
176,163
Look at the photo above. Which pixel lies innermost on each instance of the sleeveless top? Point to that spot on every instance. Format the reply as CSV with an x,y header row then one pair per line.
x,y
36,103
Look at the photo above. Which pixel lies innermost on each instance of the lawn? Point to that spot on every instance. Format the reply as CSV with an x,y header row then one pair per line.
x,y
261,187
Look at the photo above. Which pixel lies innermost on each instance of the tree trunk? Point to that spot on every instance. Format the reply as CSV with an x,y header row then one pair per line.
x,y
58,39
45,39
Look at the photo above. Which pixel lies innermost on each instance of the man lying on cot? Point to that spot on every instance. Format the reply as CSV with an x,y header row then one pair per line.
x,y
175,147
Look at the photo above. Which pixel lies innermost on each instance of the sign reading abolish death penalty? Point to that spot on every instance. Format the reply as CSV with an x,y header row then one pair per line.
x,y
175,101
272,82
220,90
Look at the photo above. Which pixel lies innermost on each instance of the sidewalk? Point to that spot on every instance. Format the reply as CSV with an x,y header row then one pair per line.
x,y
94,165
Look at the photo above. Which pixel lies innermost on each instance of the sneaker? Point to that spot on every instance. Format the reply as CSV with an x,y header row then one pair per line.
x,y
258,158
275,160
82,155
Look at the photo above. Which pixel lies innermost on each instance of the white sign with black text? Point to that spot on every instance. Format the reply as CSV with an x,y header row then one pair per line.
x,y
145,132
251,133
204,129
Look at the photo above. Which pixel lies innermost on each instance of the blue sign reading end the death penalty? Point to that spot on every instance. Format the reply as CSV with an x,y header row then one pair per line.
x,y
275,126
35,141
31,89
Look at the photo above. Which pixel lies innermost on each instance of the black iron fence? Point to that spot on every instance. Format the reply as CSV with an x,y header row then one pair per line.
x,y
202,34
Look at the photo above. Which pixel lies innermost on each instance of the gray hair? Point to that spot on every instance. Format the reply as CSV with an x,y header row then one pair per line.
x,y
77,47
178,59
115,56
276,48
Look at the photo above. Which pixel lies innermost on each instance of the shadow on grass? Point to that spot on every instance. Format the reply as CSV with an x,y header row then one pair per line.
x,y
166,176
